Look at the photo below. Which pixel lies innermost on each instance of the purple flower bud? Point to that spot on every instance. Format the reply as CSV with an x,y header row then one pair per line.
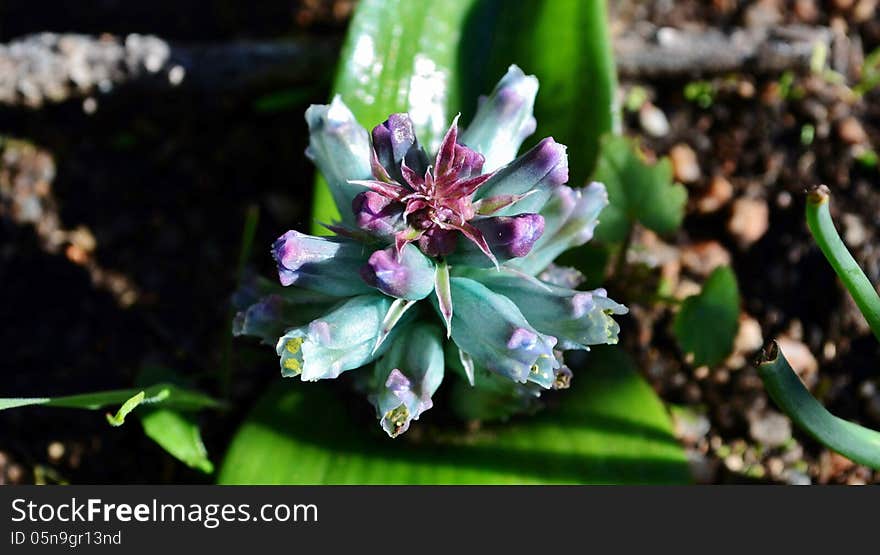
x,y
377,214
543,168
570,217
410,276
438,242
511,236
503,119
549,158
394,141
319,263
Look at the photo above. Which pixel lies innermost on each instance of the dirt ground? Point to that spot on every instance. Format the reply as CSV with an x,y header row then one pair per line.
x,y
120,229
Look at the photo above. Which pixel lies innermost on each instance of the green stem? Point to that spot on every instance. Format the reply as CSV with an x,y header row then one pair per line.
x,y
859,444
620,262
849,272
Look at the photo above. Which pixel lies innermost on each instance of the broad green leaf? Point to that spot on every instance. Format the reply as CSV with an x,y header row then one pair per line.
x,y
168,395
179,435
567,45
399,56
608,428
637,191
707,323
860,444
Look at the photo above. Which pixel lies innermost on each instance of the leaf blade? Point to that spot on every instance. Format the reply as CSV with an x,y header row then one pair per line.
x,y
857,443
177,397
567,45
179,435
637,191
707,322
611,429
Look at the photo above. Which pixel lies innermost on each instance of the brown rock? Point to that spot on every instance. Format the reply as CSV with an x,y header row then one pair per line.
x,y
749,220
749,339
770,428
851,131
763,13
686,288
684,163
864,11
718,194
806,10
854,232
800,358
701,258
653,120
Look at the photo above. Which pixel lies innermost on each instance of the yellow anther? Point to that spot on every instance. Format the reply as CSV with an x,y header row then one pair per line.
x,y
293,345
398,416
293,364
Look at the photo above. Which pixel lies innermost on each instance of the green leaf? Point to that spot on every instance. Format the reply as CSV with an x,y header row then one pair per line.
x,y
845,266
169,395
637,191
707,323
567,45
608,428
179,435
399,56
855,442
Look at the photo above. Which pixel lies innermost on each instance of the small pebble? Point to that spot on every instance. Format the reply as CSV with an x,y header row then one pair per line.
x,y
763,13
653,120
748,340
684,163
734,462
703,257
55,451
806,10
800,358
775,466
864,11
90,105
770,428
854,232
718,194
797,478
851,131
690,425
176,75
749,220
15,473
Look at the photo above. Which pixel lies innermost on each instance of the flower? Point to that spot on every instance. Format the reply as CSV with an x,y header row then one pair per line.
x,y
440,262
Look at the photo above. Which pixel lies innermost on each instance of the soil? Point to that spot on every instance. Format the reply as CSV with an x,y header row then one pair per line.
x,y
120,229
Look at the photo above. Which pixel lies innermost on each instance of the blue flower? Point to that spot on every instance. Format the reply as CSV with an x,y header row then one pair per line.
x,y
440,261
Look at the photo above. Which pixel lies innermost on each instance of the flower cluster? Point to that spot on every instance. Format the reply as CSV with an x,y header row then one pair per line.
x,y
439,265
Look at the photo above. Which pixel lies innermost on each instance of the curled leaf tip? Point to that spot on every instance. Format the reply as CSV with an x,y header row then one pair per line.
x,y
819,194
768,354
